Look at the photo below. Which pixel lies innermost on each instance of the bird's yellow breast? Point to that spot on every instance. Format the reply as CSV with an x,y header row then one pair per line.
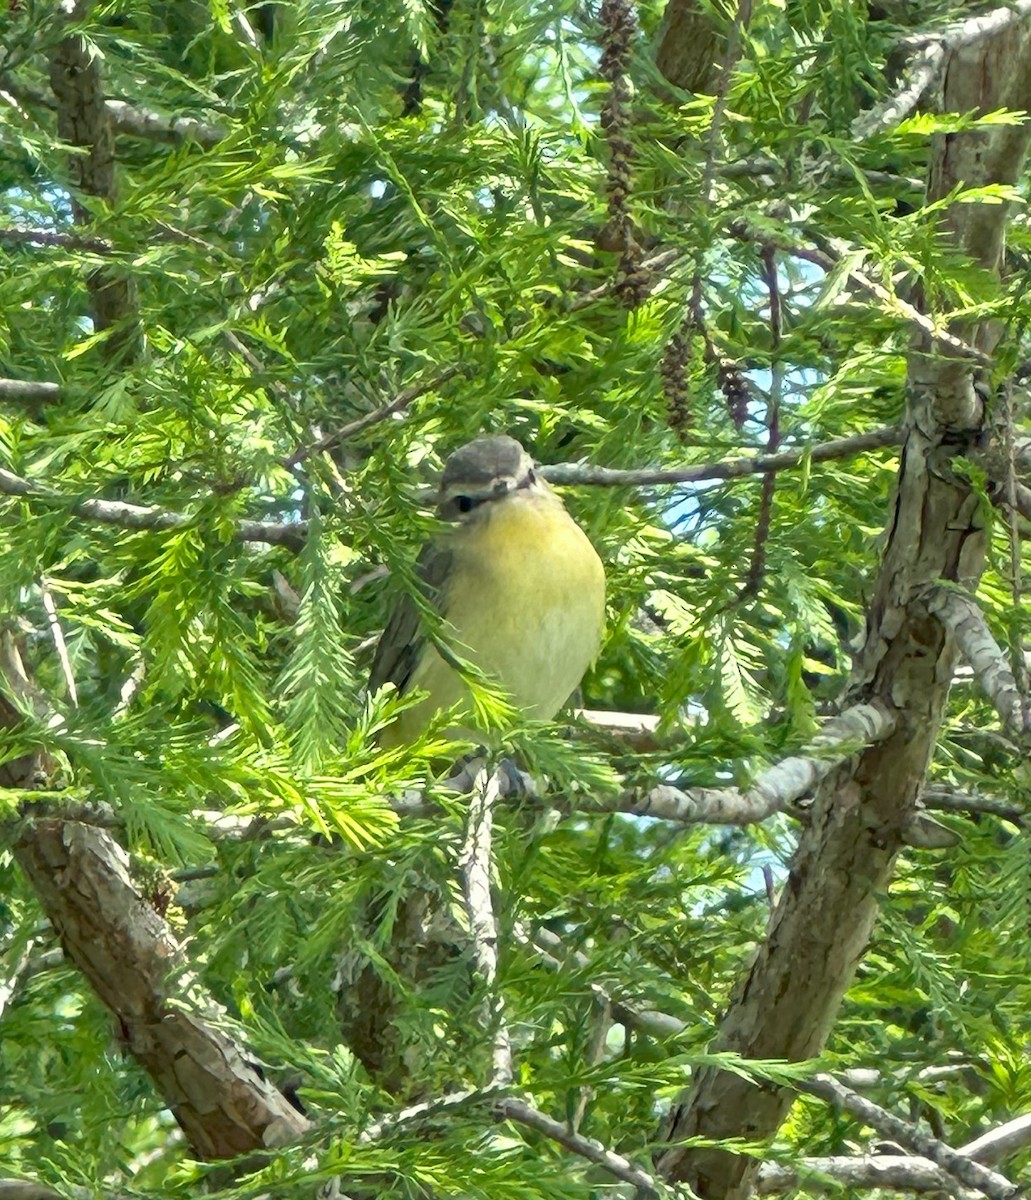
x,y
524,602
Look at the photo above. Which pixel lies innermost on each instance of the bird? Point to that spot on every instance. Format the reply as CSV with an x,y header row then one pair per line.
x,y
519,588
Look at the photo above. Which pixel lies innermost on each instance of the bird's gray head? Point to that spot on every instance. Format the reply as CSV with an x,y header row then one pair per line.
x,y
482,472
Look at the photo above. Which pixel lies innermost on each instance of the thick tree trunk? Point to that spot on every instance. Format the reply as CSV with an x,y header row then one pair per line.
x,y
785,1006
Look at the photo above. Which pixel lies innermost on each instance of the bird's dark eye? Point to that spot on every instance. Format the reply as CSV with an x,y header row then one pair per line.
x,y
464,504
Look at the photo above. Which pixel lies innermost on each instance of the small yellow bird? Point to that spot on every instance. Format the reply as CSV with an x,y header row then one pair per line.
x,y
518,584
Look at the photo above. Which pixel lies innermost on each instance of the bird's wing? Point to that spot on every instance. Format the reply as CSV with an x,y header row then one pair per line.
x,y
404,637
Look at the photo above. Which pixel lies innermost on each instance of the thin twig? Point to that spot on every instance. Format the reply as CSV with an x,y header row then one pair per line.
x,y
553,952
649,268
731,56
512,1109
602,1023
476,863
588,1148
129,688
764,519
60,645
836,252
400,402
423,1111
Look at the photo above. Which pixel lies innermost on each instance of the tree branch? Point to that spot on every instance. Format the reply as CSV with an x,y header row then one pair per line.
x,y
513,1109
731,468
130,118
1001,1142
547,945
292,534
83,122
943,800
128,954
894,1172
476,863
139,516
971,1174
24,1189
17,236
927,68
588,1148
28,390
775,788
962,616
785,1004
142,123
638,731
399,404
838,252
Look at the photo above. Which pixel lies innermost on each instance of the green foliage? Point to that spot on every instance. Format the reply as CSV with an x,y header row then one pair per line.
x,y
340,240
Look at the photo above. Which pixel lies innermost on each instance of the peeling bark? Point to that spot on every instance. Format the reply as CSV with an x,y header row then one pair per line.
x,y
126,951
786,1004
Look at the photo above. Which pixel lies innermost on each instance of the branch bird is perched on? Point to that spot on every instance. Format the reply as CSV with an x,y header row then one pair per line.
x,y
518,584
